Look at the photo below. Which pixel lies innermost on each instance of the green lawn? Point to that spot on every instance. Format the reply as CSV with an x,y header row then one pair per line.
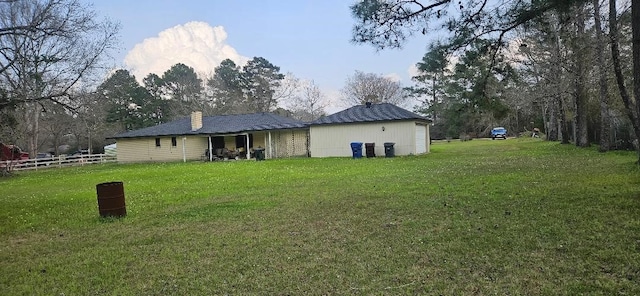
x,y
506,217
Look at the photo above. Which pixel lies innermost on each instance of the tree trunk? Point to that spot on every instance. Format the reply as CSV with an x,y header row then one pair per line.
x,y
32,127
544,116
581,123
631,108
557,127
635,26
605,119
434,114
552,126
564,126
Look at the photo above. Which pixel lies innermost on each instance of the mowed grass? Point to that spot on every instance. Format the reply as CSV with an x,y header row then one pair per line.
x,y
510,217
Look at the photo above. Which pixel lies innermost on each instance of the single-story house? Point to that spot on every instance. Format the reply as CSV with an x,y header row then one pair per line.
x,y
230,136
370,123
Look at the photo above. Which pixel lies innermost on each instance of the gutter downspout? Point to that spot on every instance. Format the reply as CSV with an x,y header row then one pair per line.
x,y
184,149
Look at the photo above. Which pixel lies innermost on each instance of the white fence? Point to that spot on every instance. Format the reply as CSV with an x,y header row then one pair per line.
x,y
57,161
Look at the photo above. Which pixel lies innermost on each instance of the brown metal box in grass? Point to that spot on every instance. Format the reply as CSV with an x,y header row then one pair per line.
x,y
111,199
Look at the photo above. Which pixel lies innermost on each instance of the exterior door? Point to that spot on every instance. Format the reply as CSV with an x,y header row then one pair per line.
x,y
421,139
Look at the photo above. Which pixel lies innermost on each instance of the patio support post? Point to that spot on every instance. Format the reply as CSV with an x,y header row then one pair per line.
x,y
248,154
210,149
269,145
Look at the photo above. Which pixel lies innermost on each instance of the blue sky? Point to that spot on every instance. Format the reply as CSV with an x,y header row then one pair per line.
x,y
310,39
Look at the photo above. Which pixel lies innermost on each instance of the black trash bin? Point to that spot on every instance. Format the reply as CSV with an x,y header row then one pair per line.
x,y
356,149
388,149
370,149
259,152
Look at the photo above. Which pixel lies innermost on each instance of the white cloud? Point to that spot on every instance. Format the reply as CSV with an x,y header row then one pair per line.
x,y
195,44
393,77
413,71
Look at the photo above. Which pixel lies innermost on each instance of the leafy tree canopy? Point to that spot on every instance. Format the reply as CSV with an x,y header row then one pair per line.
x,y
130,104
388,23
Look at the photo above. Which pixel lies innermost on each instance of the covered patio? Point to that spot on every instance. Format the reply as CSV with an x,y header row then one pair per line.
x,y
239,146
216,138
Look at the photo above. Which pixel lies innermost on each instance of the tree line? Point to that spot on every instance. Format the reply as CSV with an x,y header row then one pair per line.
x,y
562,66
47,50
179,91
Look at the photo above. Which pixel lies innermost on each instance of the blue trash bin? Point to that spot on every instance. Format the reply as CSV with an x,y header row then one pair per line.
x,y
356,148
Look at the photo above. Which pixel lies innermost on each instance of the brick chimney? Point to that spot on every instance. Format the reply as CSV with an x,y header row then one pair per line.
x,y
196,120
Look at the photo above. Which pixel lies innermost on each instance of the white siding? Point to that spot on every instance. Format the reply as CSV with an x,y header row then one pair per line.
x,y
335,140
145,149
285,143
259,140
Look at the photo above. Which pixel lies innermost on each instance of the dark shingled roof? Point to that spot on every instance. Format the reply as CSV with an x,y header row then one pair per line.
x,y
370,113
221,124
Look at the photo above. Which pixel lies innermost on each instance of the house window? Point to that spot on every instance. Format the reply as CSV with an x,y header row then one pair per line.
x,y
157,142
174,142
